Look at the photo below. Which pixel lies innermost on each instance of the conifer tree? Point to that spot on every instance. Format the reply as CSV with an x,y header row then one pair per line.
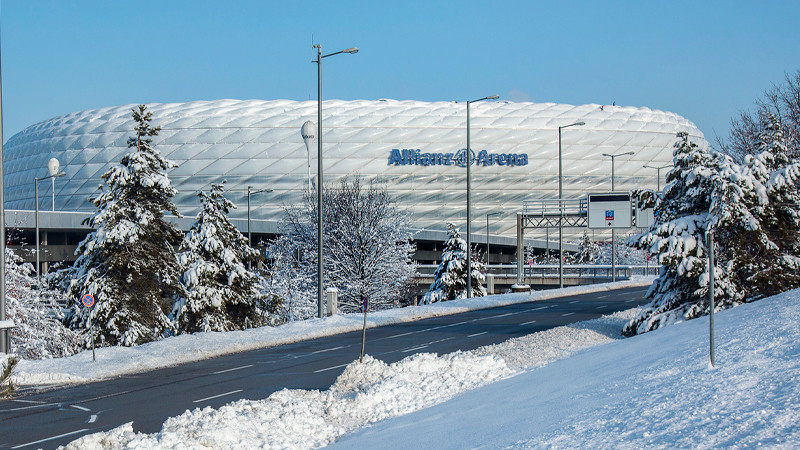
x,y
450,278
221,293
129,262
678,238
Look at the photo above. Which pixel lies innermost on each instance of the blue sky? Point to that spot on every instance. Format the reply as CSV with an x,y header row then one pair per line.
x,y
705,60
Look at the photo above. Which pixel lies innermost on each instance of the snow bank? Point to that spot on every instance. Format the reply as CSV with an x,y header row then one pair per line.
x,y
656,390
365,393
115,361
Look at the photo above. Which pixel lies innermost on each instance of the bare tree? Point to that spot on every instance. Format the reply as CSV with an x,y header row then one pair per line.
x,y
368,247
783,102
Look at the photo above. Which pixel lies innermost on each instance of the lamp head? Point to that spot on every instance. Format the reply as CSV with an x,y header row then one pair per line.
x,y
350,50
492,97
52,166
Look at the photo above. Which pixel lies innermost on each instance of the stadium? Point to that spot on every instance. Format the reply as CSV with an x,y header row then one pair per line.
x,y
415,149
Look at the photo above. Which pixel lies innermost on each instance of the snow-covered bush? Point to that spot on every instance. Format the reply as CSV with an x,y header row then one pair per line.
x,y
221,293
7,365
38,332
368,247
129,263
450,278
290,283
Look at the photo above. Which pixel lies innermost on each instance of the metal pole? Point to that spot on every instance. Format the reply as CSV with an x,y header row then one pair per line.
x,y
36,220
469,237
363,331
249,236
560,217
711,295
613,231
53,179
5,342
487,243
520,251
320,311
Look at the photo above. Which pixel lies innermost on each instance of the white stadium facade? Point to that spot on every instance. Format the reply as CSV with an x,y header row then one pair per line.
x,y
415,149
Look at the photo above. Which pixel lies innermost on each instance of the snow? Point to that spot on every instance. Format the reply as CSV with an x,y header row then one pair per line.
x,y
651,390
116,361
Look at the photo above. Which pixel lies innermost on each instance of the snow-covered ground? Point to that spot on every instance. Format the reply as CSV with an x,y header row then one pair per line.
x,y
115,361
654,390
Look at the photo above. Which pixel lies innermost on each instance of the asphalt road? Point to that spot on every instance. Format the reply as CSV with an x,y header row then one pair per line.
x,y
52,418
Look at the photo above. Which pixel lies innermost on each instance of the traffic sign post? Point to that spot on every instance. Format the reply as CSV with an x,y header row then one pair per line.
x,y
364,331
88,301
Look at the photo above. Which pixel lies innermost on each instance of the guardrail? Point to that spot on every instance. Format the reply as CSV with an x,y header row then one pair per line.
x,y
550,270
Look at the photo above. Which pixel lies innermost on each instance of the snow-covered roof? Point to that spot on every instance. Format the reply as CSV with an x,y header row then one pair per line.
x,y
258,143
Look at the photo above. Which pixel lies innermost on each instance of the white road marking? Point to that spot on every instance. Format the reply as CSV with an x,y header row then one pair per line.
x,y
327,350
603,296
402,334
501,315
330,368
631,300
51,438
477,334
30,407
567,314
601,306
80,407
217,396
231,370
26,401
539,308
92,418
574,301
528,323
420,347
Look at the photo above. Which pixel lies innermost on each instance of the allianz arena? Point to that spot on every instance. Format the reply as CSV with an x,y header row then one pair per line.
x,y
412,147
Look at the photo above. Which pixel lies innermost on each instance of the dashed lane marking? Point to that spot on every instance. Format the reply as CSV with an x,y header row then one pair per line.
x,y
80,407
218,396
30,407
419,347
573,302
528,323
477,334
51,438
328,350
567,314
331,368
601,306
231,370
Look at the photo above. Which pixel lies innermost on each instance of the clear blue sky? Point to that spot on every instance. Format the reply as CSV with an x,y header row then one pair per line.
x,y
705,60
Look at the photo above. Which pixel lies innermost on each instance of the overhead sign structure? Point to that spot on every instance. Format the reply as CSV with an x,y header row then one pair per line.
x,y
610,210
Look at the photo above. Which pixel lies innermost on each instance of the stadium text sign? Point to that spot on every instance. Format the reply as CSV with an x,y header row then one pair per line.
x,y
415,157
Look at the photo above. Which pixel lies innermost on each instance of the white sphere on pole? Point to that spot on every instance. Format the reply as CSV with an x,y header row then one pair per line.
x,y
53,166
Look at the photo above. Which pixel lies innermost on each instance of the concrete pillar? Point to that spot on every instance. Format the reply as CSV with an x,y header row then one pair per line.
x,y
490,283
520,248
332,298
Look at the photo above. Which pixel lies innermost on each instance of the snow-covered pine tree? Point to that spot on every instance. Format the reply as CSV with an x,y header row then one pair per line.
x,y
39,333
7,365
129,263
588,250
368,247
678,238
221,293
291,286
450,278
765,257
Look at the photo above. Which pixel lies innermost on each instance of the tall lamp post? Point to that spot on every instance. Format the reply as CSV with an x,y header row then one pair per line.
x,y
319,59
561,207
251,191
658,174
487,233
52,167
613,232
469,198
309,133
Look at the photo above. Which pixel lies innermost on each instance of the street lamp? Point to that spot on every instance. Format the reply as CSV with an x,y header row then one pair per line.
x,y
52,167
320,57
469,198
561,207
658,179
613,232
309,132
487,234
251,191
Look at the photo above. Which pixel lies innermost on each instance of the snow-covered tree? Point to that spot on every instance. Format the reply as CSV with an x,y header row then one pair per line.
x,y
129,262
762,196
368,247
588,250
781,101
450,278
221,293
7,366
39,333
289,284
678,238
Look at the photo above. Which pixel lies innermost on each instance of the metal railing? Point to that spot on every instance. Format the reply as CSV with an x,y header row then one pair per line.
x,y
551,270
554,206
